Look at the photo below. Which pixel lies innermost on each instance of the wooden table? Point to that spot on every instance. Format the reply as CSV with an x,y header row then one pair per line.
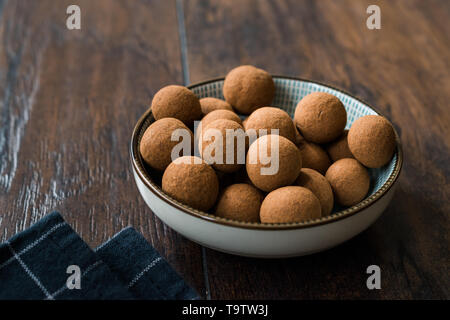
x,y
70,98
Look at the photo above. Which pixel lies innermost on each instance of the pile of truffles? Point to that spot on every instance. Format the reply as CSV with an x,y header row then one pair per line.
x,y
319,163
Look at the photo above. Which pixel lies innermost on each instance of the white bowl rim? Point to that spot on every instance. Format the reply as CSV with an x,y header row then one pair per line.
x,y
138,167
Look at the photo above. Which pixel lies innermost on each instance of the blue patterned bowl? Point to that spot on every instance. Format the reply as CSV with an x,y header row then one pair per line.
x,y
270,240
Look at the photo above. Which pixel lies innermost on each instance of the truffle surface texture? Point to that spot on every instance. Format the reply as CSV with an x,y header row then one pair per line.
x,y
176,102
314,157
210,104
270,169
298,137
191,181
371,140
239,202
216,115
349,180
248,88
156,144
321,117
319,185
230,136
268,118
290,204
339,149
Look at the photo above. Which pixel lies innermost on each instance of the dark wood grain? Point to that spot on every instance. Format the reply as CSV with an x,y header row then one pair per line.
x,y
403,70
68,103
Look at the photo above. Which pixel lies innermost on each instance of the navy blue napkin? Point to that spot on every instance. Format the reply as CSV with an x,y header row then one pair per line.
x,y
34,265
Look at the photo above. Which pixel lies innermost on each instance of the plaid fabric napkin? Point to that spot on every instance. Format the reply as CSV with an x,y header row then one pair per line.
x,y
35,264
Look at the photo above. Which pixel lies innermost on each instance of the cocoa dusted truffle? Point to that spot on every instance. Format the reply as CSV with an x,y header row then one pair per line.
x,y
319,185
371,140
290,204
314,157
210,104
156,144
191,181
338,149
269,118
270,170
176,102
321,117
237,145
349,180
248,88
239,202
216,115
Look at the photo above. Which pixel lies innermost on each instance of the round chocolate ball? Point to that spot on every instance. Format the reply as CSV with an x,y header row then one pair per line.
x,y
239,202
223,135
248,88
339,149
191,181
290,204
314,157
210,104
321,117
269,118
349,180
156,144
319,185
216,115
270,169
176,102
371,140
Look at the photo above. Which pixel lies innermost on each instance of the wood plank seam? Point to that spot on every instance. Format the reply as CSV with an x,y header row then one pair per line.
x,y
186,77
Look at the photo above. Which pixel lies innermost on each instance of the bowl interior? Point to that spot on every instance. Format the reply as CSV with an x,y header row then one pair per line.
x,y
288,92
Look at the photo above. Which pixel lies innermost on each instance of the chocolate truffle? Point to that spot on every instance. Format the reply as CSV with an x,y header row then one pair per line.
x,y
238,145
248,88
349,180
290,204
314,157
319,185
270,170
371,140
176,102
321,117
156,144
191,181
239,202
210,104
216,115
338,149
268,118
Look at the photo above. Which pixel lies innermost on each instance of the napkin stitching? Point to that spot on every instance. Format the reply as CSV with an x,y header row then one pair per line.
x,y
28,271
110,239
146,269
33,244
88,269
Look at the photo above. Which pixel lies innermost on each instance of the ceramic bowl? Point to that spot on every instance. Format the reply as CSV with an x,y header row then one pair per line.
x,y
269,240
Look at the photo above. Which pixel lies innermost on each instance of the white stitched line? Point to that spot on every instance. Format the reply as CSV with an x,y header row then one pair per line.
x,y
89,269
31,245
28,271
151,265
110,239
